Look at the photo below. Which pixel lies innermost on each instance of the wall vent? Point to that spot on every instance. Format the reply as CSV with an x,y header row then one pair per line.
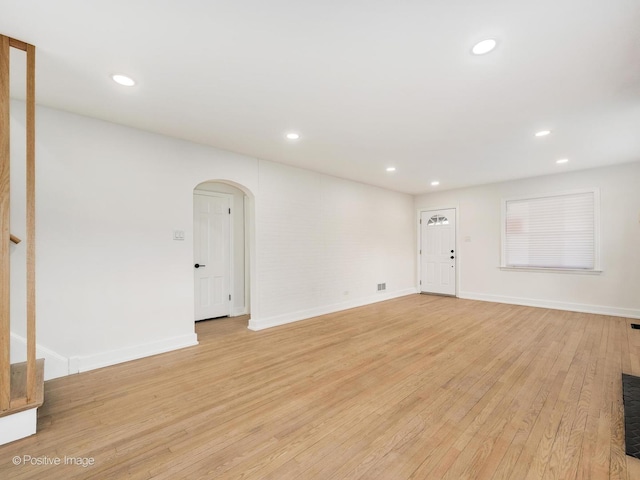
x,y
382,286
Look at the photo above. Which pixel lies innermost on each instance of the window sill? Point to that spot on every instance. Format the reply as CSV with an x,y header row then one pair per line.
x,y
552,270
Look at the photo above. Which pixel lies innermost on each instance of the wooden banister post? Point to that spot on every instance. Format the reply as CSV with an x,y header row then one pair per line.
x,y
5,232
31,223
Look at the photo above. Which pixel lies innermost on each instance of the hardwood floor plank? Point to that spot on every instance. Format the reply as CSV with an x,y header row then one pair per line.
x,y
523,410
470,400
557,466
534,455
633,467
417,387
618,469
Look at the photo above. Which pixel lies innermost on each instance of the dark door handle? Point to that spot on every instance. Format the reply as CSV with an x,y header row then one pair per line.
x,y
197,265
451,251
452,257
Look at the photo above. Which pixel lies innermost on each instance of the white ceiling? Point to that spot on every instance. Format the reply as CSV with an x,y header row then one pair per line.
x,y
366,83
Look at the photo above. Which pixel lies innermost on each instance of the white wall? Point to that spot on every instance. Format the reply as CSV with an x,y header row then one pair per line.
x,y
325,244
615,291
113,285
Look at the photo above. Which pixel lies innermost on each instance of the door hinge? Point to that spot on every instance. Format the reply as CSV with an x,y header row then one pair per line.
x,y
229,211
420,282
420,252
229,297
420,221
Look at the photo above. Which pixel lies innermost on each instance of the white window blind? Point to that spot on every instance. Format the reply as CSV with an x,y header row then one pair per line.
x,y
556,231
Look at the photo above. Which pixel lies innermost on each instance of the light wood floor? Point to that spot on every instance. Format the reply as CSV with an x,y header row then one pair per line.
x,y
420,387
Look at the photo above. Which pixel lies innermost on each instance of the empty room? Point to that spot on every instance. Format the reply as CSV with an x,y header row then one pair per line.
x,y
320,240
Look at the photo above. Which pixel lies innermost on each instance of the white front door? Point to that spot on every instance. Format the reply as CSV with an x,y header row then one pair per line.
x,y
437,251
212,254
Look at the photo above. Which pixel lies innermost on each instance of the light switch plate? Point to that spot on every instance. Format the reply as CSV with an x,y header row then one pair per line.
x,y
178,234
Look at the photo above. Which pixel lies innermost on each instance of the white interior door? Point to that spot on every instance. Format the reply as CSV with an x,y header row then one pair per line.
x,y
212,255
437,251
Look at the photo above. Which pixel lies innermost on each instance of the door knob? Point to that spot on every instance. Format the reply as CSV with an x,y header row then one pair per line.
x,y
197,265
452,257
451,251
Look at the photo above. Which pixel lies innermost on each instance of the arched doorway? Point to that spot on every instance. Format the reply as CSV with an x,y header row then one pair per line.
x,y
223,246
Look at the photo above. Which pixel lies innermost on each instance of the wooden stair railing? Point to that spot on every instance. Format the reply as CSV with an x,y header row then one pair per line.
x,y
5,294
29,372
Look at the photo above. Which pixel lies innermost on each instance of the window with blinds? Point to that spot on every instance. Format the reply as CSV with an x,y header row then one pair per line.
x,y
555,231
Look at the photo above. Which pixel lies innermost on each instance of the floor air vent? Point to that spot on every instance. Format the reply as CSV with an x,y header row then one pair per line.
x,y
636,326
631,399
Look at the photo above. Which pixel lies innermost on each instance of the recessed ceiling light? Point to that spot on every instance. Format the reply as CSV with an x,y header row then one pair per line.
x,y
485,46
543,133
293,136
435,183
562,160
391,169
123,80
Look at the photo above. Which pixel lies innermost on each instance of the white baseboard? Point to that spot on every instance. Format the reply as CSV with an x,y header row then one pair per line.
x,y
573,307
55,365
18,425
261,324
79,364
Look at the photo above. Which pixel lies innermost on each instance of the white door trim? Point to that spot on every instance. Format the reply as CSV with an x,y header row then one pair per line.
x,y
231,250
419,213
